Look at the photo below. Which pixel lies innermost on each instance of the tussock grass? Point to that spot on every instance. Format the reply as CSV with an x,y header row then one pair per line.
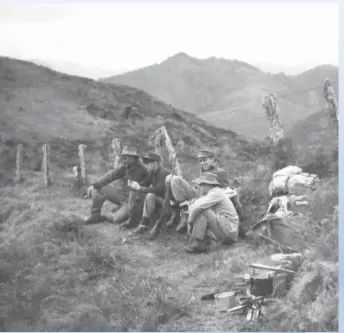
x,y
57,276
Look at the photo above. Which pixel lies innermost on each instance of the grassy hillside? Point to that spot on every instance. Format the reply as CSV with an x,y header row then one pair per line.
x,y
317,130
40,105
228,93
58,275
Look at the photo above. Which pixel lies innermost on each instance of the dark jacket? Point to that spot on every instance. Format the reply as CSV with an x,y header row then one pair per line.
x,y
136,172
157,182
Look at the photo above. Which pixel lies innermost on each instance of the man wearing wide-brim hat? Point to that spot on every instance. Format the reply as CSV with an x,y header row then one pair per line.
x,y
155,193
182,192
212,216
130,169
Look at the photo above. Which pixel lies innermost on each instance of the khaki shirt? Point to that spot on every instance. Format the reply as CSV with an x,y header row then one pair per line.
x,y
215,199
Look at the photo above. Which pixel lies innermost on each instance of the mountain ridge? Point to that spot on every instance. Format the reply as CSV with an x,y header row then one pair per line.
x,y
39,105
227,93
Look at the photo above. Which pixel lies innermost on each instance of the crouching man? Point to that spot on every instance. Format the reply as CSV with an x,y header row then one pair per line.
x,y
154,193
212,216
131,169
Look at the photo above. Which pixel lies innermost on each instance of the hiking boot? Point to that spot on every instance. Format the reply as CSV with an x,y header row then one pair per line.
x,y
182,226
95,218
154,233
128,224
97,204
197,246
175,218
142,228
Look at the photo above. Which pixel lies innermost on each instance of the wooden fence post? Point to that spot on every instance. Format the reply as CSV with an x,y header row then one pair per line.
x,y
159,143
272,112
330,97
83,163
171,151
19,161
116,151
45,168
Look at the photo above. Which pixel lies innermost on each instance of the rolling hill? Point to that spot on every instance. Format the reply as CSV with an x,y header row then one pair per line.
x,y
317,130
228,93
39,105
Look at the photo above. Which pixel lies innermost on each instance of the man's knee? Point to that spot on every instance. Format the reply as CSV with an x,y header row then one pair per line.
x,y
172,179
150,197
208,214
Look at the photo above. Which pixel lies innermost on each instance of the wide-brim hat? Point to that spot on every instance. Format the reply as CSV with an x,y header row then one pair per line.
x,y
129,151
205,153
207,178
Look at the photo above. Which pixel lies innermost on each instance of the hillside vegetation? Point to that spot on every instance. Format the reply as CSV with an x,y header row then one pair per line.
x,y
58,275
228,93
39,105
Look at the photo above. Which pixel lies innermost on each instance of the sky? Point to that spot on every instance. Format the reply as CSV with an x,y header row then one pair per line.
x,y
130,36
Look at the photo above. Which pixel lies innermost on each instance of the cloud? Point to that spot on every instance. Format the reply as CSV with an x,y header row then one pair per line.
x,y
132,36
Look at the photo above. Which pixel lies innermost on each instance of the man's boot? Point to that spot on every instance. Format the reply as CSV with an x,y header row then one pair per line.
x,y
182,226
96,217
128,224
154,233
143,226
197,246
120,215
175,218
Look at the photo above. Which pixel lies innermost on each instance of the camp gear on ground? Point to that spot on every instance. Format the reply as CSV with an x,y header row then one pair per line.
x,y
285,231
291,180
225,300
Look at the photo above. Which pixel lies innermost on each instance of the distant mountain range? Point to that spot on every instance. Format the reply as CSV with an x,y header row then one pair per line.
x,y
228,93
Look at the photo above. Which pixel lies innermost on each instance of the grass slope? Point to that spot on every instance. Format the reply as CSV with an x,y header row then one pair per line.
x,y
57,275
38,105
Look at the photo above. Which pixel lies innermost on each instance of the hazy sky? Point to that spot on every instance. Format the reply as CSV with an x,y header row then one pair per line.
x,y
132,36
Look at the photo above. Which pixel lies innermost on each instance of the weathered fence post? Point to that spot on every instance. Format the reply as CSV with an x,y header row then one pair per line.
x,y
19,161
162,132
331,100
272,112
83,163
45,168
159,143
116,151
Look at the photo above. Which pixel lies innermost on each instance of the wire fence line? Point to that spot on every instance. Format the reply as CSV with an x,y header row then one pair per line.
x,y
80,171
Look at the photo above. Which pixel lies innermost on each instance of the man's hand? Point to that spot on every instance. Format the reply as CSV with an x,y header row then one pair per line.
x,y
90,191
134,185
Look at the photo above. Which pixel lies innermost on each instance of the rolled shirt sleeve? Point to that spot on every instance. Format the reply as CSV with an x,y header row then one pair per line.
x,y
208,201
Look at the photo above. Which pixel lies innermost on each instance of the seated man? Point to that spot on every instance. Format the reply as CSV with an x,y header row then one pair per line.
x,y
182,192
131,169
211,216
155,193
208,163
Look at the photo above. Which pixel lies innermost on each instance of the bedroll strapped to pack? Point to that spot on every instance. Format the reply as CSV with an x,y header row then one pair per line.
x,y
291,180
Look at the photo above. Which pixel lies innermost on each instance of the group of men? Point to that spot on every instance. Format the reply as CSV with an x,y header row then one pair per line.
x,y
208,209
